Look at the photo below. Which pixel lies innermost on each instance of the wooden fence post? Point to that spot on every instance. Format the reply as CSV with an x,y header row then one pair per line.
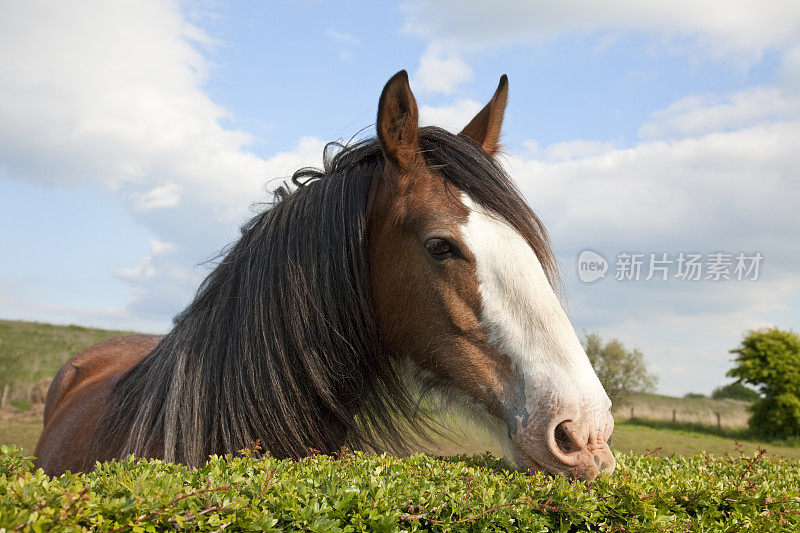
x,y
674,417
632,412
719,422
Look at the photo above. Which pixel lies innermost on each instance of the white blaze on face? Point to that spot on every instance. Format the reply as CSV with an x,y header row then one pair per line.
x,y
525,321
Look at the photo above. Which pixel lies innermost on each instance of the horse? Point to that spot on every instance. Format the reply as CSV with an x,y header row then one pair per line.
x,y
410,262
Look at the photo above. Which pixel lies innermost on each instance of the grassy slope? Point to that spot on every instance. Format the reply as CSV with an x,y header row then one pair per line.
x,y
43,348
38,350
22,432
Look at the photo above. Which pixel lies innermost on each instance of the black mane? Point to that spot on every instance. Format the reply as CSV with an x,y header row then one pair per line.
x,y
280,343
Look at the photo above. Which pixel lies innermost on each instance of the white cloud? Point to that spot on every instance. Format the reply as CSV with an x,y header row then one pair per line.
x,y
158,248
720,26
441,70
115,99
789,72
166,279
730,186
344,41
452,117
704,114
162,196
344,38
16,302
136,273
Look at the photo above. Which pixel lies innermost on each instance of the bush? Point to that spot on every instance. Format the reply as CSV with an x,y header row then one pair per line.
x,y
769,359
367,492
735,391
694,396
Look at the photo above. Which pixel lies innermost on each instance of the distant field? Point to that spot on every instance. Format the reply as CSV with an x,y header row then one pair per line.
x,y
733,413
23,432
30,351
641,439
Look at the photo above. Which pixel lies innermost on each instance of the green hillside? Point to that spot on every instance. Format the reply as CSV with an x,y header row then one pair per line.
x,y
30,351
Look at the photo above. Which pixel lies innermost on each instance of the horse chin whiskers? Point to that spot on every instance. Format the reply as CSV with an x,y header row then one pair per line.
x,y
463,421
527,462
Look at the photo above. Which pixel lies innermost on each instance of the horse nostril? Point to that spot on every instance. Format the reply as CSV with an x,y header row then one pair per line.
x,y
563,440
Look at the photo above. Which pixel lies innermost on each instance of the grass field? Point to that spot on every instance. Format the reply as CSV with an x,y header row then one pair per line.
x,y
732,413
30,351
643,438
23,432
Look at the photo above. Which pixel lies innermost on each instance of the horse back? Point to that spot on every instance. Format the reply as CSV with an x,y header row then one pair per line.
x,y
76,400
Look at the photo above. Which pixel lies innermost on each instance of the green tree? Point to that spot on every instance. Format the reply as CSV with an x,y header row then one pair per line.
x,y
769,359
735,391
621,371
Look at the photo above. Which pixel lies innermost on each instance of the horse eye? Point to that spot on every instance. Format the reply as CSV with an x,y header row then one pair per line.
x,y
439,248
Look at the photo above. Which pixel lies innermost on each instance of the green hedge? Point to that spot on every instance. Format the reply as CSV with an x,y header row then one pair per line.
x,y
367,492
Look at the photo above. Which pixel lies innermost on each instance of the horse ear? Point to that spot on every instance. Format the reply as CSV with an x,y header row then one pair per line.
x,y
484,129
398,121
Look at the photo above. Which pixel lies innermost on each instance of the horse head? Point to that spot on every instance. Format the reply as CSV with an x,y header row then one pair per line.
x,y
463,281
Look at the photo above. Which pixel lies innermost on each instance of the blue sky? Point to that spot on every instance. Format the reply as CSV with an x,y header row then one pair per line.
x,y
133,139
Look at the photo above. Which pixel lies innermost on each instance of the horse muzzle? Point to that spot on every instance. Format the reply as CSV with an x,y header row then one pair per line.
x,y
575,447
